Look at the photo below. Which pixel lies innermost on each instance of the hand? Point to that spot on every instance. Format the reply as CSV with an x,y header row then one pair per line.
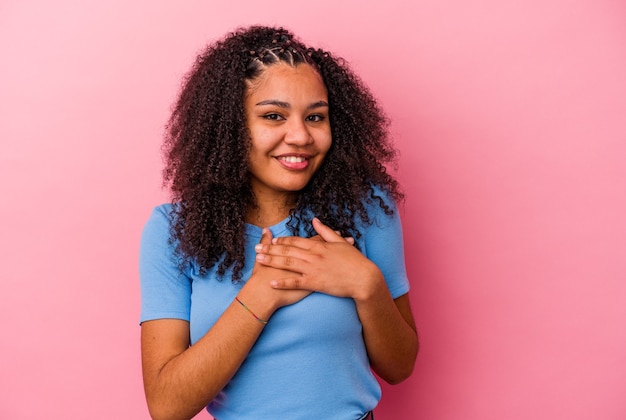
x,y
348,239
331,265
258,291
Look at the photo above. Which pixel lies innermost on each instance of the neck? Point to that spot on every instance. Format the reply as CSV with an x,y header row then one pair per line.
x,y
268,212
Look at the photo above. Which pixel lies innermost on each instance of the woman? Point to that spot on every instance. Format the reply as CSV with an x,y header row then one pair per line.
x,y
276,278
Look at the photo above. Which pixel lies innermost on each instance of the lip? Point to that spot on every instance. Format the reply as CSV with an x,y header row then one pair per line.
x,y
294,161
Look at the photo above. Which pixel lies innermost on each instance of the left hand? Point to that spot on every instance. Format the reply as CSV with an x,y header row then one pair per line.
x,y
331,265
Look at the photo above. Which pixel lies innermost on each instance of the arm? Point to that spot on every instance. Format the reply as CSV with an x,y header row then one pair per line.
x,y
390,335
336,268
179,379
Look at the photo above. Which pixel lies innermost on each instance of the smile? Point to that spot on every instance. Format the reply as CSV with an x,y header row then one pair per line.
x,y
292,159
293,162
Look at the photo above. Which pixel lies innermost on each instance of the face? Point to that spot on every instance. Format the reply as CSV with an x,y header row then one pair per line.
x,y
287,115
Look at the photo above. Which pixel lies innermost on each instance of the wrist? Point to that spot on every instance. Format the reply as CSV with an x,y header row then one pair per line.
x,y
251,312
257,301
371,284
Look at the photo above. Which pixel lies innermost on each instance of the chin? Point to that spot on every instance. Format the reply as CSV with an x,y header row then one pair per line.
x,y
293,186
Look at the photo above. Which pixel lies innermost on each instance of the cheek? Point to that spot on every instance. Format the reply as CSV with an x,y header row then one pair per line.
x,y
255,152
327,142
255,159
262,139
257,144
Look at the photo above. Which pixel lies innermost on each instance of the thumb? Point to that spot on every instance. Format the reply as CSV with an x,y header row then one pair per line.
x,y
266,237
325,232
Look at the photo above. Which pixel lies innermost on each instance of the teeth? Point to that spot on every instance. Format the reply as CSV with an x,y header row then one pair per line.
x,y
292,159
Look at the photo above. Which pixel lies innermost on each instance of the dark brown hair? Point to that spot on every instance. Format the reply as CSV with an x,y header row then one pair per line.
x,y
206,145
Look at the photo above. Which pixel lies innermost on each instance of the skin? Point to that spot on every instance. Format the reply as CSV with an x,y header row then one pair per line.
x,y
287,115
335,267
288,118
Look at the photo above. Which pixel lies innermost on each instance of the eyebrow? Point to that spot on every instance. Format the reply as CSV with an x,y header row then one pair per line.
x,y
286,105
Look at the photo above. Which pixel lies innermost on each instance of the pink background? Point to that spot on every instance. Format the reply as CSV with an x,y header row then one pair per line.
x,y
510,117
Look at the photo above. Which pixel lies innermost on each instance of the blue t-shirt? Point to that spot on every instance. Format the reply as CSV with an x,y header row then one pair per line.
x,y
310,361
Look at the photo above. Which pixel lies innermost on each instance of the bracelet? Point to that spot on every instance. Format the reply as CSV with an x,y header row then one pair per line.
x,y
248,309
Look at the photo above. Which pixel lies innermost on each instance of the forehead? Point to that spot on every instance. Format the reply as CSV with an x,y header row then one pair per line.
x,y
281,81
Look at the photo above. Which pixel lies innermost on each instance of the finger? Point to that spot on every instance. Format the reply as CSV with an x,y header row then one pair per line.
x,y
348,239
266,236
296,241
280,249
293,261
325,232
290,283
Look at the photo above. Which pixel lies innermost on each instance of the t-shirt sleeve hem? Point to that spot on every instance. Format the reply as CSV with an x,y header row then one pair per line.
x,y
164,315
400,290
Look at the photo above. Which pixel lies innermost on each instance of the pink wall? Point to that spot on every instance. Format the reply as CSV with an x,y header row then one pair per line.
x,y
510,119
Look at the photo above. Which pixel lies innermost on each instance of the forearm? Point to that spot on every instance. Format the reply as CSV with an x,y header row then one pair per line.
x,y
390,335
336,268
191,379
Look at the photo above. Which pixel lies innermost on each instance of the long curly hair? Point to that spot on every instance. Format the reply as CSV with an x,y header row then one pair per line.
x,y
206,147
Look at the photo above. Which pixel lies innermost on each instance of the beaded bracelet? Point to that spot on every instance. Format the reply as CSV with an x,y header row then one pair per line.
x,y
248,309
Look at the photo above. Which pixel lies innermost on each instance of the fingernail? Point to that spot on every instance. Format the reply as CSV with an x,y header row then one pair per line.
x,y
260,257
258,247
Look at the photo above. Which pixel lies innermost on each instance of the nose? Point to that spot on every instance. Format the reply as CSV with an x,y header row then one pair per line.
x,y
297,133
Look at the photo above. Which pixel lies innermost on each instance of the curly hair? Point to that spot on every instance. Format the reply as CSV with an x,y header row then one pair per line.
x,y
207,142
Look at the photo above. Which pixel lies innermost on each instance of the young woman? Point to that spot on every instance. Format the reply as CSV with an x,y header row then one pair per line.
x,y
275,280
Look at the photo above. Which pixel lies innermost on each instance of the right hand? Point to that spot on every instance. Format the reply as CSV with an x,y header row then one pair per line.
x,y
257,292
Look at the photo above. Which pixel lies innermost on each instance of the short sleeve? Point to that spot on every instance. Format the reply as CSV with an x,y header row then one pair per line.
x,y
383,245
165,290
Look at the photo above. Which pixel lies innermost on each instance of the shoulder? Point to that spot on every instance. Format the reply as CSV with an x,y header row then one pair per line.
x,y
160,219
165,286
155,237
380,206
382,240
162,212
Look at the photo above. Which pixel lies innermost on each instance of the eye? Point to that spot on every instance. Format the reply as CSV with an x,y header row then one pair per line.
x,y
316,118
272,116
